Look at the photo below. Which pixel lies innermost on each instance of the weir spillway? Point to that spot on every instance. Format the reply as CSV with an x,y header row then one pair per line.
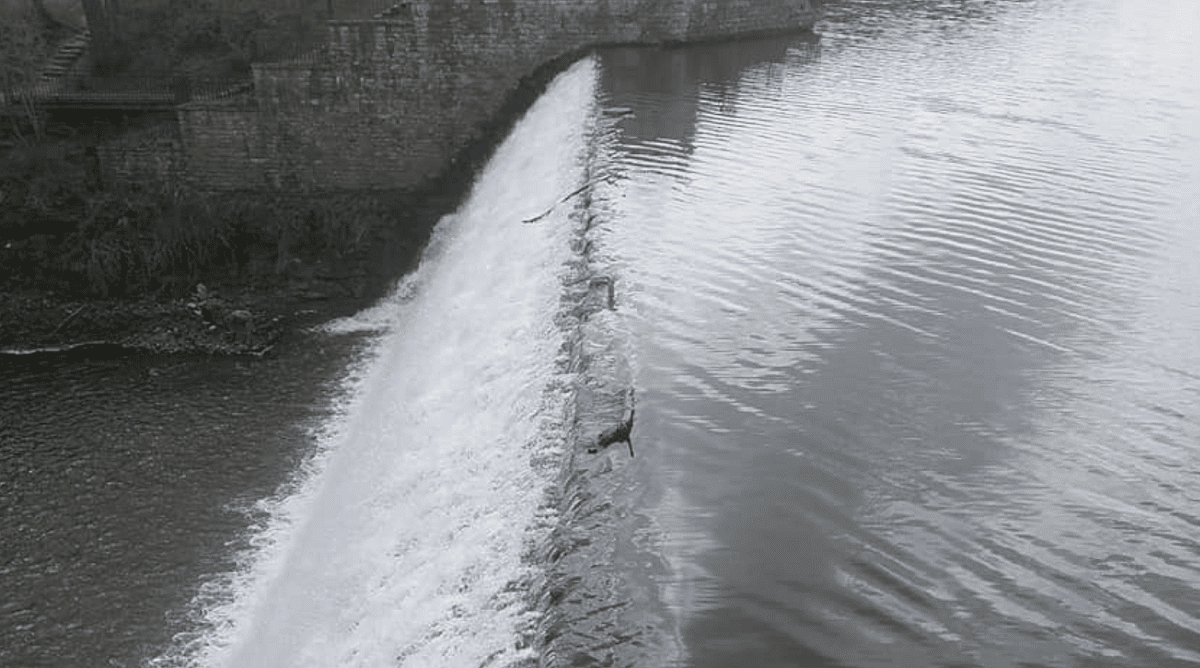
x,y
425,531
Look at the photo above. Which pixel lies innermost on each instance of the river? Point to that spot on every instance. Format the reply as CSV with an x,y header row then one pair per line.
x,y
912,314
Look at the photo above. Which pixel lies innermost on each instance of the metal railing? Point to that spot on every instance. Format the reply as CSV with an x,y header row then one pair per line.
x,y
296,53
371,9
144,91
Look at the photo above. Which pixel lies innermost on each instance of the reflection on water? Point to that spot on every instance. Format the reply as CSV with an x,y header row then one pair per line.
x,y
917,334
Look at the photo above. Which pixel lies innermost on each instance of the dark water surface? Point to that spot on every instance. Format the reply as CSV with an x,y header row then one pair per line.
x,y
126,484
916,308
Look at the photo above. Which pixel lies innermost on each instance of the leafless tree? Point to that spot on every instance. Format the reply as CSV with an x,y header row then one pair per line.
x,y
103,23
22,51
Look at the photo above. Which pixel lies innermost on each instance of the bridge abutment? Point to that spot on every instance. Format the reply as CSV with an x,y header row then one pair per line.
x,y
392,101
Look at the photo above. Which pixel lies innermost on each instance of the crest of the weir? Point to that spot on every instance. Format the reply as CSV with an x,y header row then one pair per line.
x,y
392,100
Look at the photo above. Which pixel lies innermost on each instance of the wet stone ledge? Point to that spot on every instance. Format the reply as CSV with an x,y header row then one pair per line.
x,y
592,611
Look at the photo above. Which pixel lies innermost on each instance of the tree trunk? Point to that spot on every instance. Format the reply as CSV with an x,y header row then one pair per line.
x,y
101,21
31,111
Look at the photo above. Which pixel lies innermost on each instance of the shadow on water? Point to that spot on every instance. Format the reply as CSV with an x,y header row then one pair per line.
x,y
662,87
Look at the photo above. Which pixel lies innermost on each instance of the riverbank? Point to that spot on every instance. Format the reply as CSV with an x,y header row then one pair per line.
x,y
174,270
227,317
86,258
215,311
250,322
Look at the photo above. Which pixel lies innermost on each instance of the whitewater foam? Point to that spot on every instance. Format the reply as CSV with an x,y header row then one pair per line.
x,y
402,541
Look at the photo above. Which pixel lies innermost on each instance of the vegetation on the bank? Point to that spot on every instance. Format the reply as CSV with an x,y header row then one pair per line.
x,y
160,38
61,230
153,39
197,38
27,36
160,267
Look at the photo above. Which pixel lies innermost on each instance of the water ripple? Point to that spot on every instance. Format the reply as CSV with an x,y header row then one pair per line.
x,y
916,338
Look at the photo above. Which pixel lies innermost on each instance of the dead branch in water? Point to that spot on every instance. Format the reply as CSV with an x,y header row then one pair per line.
x,y
580,189
68,319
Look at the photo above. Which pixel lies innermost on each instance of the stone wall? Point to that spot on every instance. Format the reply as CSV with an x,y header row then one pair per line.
x,y
150,156
395,99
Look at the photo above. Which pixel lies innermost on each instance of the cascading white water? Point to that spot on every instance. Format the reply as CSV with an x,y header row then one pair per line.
x,y
405,545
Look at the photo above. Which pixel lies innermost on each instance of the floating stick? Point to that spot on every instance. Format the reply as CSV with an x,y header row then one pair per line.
x,y
68,319
589,184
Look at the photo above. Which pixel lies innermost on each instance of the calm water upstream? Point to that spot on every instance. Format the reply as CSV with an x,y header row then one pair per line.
x,y
916,312
915,318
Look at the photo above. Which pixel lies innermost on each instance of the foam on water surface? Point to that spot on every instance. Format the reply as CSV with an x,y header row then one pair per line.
x,y
404,542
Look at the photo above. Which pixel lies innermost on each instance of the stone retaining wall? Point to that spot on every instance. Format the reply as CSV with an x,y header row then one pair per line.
x,y
393,100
